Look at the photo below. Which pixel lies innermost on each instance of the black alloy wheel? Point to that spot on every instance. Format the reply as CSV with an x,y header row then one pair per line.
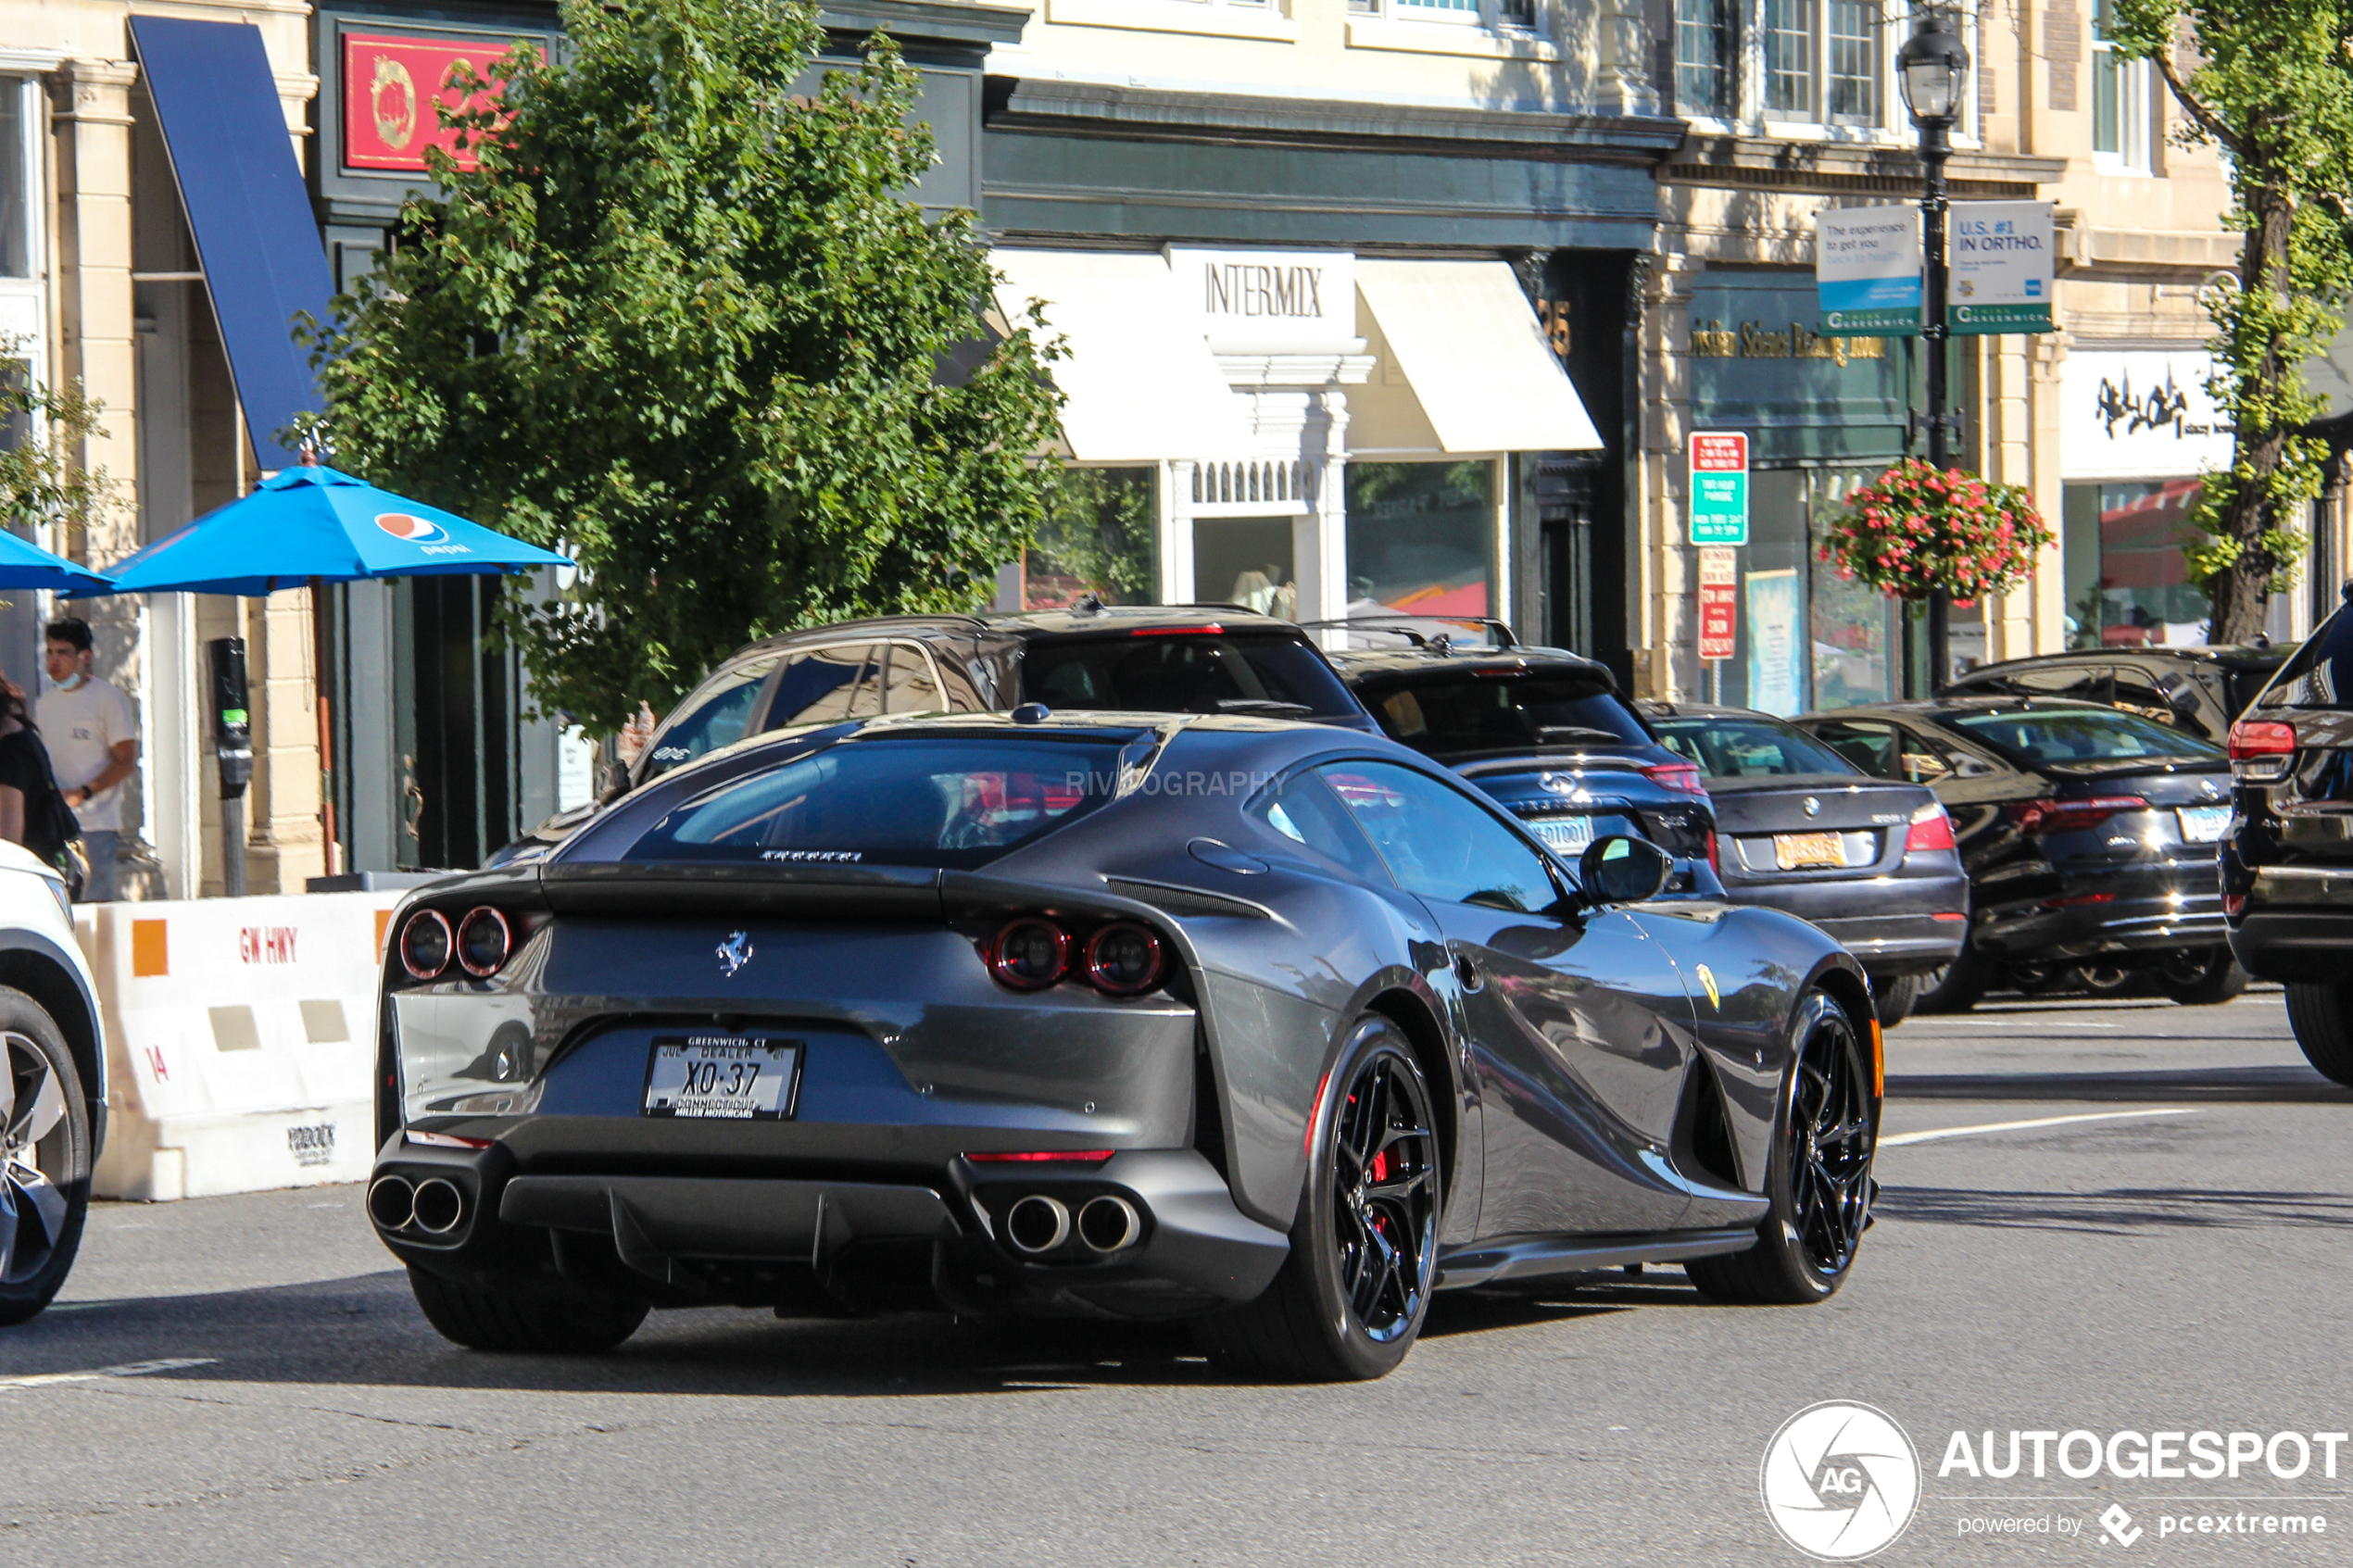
x,y
1820,1182
2199,977
45,1157
1351,1295
2105,979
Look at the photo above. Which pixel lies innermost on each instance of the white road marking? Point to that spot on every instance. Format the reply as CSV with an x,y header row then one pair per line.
x,y
128,1369
2014,1127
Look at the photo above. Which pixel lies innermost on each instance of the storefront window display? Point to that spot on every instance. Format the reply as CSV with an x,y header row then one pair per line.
x,y
1421,538
2127,585
1808,638
1247,561
1098,539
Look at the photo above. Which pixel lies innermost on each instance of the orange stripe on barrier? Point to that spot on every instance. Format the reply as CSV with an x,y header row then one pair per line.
x,y
150,949
384,923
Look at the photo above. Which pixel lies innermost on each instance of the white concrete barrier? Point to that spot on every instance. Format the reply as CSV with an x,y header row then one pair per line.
x,y
240,1040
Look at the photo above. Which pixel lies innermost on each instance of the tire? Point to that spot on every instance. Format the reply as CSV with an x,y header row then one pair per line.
x,y
2107,979
1819,1184
546,1319
2201,977
1894,998
1350,1296
45,1157
2323,1026
1956,987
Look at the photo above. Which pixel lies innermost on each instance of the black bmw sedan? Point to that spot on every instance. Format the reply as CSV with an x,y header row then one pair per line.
x,y
1798,827
1272,1026
2089,835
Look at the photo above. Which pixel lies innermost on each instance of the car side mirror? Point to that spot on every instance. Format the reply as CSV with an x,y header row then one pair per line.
x,y
1972,768
614,784
2179,692
1621,869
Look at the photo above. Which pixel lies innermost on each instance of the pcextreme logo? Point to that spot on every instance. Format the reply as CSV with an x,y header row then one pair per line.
x,y
1839,1481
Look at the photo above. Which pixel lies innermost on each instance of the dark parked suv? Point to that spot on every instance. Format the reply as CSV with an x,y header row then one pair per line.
x,y
1182,658
1542,730
2199,690
2288,866
2089,835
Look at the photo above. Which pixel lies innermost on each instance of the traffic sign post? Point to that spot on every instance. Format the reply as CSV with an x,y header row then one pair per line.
x,y
1719,487
1719,602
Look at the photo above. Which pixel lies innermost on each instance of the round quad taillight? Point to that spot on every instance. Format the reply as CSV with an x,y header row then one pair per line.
x,y
483,941
1029,954
426,944
1123,960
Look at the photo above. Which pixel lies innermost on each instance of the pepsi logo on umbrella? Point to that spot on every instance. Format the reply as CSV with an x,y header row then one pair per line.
x,y
415,530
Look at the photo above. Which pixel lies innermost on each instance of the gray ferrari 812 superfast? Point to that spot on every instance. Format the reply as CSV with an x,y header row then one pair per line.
x,y
1267,1025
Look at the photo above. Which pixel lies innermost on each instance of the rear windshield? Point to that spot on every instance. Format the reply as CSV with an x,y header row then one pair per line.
x,y
1450,710
1748,748
1267,674
2319,675
2079,735
954,802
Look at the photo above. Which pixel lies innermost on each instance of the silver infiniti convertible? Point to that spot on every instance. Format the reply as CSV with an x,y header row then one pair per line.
x,y
1272,1027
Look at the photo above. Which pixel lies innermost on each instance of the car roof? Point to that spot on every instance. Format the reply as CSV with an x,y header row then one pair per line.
x,y
2235,654
1019,625
1362,664
1655,708
1931,707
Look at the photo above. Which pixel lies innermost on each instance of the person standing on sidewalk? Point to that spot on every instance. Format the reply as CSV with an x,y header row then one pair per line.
x,y
94,742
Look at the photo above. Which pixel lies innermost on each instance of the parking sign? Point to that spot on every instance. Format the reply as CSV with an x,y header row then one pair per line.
x,y
1719,487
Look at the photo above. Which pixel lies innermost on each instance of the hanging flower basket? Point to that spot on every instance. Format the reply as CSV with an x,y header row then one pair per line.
x,y
1919,528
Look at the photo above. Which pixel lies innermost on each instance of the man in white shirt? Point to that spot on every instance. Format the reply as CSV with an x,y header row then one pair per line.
x,y
94,745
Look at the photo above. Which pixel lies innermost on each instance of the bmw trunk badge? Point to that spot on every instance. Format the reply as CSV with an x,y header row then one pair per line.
x,y
1813,807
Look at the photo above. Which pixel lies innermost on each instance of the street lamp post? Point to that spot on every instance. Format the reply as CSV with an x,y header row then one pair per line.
x,y
1934,68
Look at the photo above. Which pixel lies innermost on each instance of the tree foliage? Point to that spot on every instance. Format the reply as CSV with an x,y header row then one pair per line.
x,y
2271,83
44,431
681,322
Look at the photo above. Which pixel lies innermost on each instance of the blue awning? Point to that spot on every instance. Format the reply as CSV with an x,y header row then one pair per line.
x,y
245,202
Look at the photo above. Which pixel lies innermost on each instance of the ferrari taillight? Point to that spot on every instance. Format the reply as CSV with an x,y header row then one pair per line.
x,y
426,944
483,941
1123,960
1029,954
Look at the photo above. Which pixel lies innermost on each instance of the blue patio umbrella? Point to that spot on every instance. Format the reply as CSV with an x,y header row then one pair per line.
x,y
315,524
27,565
309,526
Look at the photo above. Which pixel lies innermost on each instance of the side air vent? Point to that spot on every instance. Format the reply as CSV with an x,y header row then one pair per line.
x,y
1185,900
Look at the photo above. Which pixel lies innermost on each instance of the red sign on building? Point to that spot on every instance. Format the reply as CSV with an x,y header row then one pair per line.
x,y
391,89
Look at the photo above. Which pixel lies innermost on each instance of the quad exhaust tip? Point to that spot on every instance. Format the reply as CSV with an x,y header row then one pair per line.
x,y
1109,1224
439,1206
392,1202
1038,1223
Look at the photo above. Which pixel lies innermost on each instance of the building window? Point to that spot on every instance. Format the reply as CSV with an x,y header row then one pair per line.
x,y
1421,538
1855,60
1788,38
2120,100
1706,46
1101,538
1517,15
19,177
2127,585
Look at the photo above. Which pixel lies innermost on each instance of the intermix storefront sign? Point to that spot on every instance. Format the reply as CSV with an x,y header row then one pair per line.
x,y
1269,301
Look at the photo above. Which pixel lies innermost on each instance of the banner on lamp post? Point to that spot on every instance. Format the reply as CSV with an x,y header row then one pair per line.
x,y
1867,271
2002,268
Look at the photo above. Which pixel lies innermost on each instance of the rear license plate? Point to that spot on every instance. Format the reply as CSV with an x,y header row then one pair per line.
x,y
1565,835
722,1078
1800,851
2205,824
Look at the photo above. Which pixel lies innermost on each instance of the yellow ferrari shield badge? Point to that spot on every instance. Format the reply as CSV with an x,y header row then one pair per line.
x,y
1707,978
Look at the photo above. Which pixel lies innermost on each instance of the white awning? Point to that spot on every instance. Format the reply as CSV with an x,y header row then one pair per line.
x,y
1471,349
1140,380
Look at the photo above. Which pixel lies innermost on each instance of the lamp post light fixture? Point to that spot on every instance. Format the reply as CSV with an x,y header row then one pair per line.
x,y
1934,68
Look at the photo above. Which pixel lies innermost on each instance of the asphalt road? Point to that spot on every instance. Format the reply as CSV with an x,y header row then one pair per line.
x,y
2176,1272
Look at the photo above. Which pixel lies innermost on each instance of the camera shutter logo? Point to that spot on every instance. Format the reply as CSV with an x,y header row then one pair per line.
x,y
1839,1481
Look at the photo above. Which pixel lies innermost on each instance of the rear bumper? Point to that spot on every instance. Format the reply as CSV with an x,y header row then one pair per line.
x,y
819,1243
2296,923
2135,912
1891,923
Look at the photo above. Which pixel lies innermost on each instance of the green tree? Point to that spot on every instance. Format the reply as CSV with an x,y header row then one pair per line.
x,y
680,322
44,432
2271,83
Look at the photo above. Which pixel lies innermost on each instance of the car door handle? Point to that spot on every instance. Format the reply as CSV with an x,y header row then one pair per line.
x,y
1467,972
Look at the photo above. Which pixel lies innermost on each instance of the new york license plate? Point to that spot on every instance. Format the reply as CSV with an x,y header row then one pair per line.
x,y
1797,851
1565,835
722,1078
2205,824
